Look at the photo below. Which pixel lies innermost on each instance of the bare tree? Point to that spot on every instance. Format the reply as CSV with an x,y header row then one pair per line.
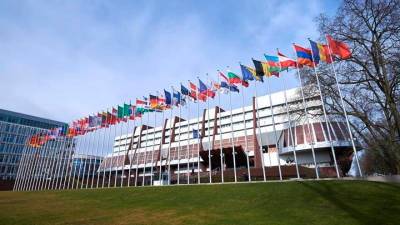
x,y
370,79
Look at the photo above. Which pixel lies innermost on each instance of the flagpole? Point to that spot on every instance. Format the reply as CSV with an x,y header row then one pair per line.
x,y
199,135
306,115
222,155
102,157
31,170
327,120
87,156
344,111
137,149
188,143
153,149
260,132
112,146
145,147
168,161
273,126
81,164
127,116
106,138
98,127
132,141
161,144
245,135
208,135
178,103
93,155
232,135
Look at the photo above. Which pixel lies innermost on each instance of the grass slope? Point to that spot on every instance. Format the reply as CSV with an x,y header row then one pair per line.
x,y
310,202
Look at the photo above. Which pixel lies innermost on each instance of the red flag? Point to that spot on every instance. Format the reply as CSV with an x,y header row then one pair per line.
x,y
339,48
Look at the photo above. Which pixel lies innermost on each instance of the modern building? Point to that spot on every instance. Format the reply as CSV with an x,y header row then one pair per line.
x,y
15,129
265,140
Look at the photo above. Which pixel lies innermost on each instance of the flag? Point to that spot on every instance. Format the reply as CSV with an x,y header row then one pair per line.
x,y
304,56
176,98
184,90
194,91
286,62
168,99
196,134
236,79
205,91
320,52
94,121
249,73
223,76
274,66
229,87
338,48
262,68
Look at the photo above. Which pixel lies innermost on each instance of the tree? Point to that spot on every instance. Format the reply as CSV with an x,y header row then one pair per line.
x,y
370,79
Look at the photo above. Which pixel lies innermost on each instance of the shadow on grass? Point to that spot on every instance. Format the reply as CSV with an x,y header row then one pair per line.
x,y
325,191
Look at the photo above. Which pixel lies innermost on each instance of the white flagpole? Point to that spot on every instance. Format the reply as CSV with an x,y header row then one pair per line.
x,y
222,155
102,157
95,155
91,150
273,126
153,149
259,130
132,141
81,147
198,134
327,120
107,140
127,117
306,115
345,114
161,144
208,135
179,140
137,149
112,147
245,136
119,148
188,142
145,148
232,136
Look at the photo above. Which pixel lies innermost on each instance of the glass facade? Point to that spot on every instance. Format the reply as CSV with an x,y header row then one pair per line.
x,y
15,129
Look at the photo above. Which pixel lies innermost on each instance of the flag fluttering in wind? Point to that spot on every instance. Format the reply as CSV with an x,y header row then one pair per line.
x,y
320,52
262,68
249,73
338,48
286,62
236,79
274,66
205,91
304,56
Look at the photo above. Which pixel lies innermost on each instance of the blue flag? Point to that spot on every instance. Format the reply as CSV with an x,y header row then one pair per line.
x,y
168,99
184,90
196,134
230,87
176,98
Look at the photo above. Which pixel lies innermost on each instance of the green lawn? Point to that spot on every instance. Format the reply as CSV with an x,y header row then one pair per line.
x,y
308,202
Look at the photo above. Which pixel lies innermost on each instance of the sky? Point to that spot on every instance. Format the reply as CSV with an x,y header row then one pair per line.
x,y
67,59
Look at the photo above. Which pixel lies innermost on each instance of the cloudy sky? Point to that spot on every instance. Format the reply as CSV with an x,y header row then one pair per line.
x,y
65,59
